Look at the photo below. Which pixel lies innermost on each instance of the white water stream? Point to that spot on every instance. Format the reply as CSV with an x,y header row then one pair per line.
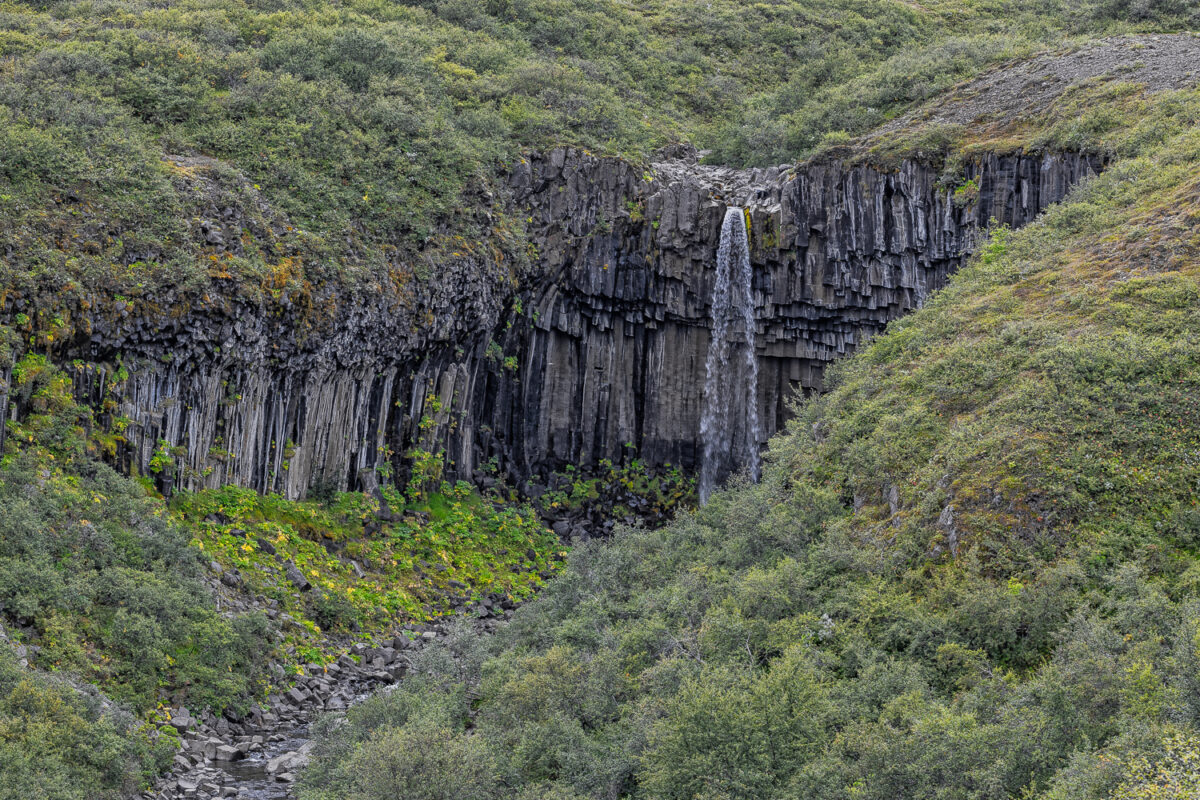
x,y
729,423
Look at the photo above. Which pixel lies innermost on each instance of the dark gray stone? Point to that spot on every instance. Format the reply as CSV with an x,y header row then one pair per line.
x,y
297,577
228,752
605,348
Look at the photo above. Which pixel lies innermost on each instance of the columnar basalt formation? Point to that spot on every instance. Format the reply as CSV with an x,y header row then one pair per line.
x,y
610,345
596,353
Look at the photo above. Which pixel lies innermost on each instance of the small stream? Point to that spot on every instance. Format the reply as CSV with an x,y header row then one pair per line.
x,y
280,733
250,777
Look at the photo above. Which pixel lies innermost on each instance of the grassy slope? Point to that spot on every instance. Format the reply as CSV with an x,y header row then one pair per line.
x,y
99,585
970,570
348,134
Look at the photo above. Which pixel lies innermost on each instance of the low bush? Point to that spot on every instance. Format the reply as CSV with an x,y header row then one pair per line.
x,y
60,742
97,576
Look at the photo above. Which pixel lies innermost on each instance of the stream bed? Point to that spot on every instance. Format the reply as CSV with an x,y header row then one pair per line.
x,y
250,776
260,757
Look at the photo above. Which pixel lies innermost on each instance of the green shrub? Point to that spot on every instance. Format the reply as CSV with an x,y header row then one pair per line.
x,y
107,583
424,762
727,734
60,743
333,612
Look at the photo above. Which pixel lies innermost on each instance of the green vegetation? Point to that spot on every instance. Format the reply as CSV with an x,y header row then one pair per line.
x,y
94,572
629,490
341,139
61,743
969,572
99,585
366,575
101,581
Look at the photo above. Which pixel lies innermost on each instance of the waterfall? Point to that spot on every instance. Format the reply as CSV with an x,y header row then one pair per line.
x,y
729,429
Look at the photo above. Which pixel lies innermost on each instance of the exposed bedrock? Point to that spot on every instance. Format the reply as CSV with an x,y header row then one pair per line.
x,y
597,353
610,344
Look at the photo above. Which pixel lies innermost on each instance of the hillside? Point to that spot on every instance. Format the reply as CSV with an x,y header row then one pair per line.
x,y
344,140
969,570
325,323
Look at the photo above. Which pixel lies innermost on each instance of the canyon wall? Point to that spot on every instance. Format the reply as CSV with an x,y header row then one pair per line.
x,y
596,352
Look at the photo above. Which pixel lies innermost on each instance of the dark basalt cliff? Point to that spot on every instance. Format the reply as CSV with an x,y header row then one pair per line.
x,y
598,351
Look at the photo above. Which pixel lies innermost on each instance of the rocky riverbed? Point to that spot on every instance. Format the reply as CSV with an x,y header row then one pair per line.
x,y
259,757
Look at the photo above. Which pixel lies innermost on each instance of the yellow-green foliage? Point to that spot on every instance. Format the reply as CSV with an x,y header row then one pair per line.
x,y
344,136
1173,776
58,743
411,565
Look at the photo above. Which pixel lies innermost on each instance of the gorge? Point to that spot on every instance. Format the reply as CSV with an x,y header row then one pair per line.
x,y
595,400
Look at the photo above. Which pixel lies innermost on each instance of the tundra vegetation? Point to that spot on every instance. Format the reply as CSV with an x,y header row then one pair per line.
x,y
969,571
353,136
104,585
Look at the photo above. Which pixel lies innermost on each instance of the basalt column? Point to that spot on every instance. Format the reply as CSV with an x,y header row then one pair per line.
x,y
596,348
608,355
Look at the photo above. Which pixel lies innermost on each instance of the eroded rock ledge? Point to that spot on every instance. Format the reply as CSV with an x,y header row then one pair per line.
x,y
597,354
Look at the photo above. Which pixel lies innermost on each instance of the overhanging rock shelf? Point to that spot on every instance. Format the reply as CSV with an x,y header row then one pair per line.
x,y
598,352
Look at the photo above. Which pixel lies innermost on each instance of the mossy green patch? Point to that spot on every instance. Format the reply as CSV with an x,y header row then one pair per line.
x,y
631,489
367,574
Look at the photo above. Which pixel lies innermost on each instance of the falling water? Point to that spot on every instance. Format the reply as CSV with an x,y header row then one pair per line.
x,y
729,422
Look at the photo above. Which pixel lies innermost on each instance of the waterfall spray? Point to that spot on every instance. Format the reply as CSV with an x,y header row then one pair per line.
x,y
729,423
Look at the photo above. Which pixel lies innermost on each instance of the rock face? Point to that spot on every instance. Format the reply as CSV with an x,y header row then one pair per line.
x,y
596,353
611,348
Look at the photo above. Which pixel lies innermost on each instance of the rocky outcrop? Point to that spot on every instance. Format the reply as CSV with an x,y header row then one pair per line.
x,y
610,347
595,353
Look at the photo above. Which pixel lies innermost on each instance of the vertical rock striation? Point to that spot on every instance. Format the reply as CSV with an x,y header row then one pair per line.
x,y
598,353
612,342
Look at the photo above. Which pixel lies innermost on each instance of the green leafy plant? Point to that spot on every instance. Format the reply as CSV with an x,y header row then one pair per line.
x,y
967,193
161,458
409,569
